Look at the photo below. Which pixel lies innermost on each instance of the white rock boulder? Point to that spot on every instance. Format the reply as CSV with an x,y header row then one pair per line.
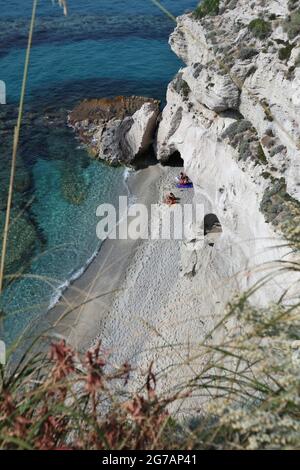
x,y
116,130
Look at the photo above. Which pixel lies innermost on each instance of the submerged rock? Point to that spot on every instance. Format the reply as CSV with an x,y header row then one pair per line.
x,y
116,130
22,241
60,30
73,185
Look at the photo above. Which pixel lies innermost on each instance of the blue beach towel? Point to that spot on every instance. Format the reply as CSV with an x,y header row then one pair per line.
x,y
184,186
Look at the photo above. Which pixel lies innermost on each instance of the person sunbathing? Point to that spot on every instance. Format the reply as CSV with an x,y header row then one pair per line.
x,y
170,199
184,179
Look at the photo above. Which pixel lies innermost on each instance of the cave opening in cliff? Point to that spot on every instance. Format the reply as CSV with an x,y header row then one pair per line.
x,y
174,160
144,160
212,228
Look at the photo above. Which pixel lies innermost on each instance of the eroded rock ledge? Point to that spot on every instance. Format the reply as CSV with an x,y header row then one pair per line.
x,y
118,129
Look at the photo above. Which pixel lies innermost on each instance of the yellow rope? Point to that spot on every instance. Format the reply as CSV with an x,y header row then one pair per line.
x,y
164,10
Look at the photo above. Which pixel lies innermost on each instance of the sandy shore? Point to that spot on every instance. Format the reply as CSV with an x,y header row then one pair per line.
x,y
162,313
82,312
139,299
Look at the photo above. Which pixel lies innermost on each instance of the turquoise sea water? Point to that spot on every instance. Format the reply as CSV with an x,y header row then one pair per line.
x,y
103,48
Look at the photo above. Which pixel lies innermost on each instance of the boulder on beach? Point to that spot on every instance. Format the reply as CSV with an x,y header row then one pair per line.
x,y
118,129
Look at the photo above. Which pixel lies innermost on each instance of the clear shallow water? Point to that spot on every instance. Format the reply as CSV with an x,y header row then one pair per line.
x,y
103,48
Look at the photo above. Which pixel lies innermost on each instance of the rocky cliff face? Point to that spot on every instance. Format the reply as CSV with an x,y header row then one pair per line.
x,y
116,130
233,113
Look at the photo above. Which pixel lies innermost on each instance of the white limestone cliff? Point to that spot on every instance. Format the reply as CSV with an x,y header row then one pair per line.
x,y
233,114
140,136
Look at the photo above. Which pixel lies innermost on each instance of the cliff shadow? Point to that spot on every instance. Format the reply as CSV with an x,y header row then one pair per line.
x,y
212,228
174,160
143,161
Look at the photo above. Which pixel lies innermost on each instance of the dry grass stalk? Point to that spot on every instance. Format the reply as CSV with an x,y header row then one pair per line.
x,y
15,144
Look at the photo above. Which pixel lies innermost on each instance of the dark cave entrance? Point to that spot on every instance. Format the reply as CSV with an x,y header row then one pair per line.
x,y
212,228
174,160
145,160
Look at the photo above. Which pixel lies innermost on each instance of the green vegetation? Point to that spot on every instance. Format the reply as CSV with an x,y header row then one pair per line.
x,y
181,86
293,4
283,211
67,401
185,89
267,110
285,52
243,137
266,175
261,155
207,8
231,4
292,24
260,28
236,128
247,53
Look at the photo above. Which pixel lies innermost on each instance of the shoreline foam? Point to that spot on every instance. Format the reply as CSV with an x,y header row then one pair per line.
x,y
102,277
59,291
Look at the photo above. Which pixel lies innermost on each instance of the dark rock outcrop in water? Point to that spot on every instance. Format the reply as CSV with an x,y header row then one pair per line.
x,y
22,241
116,130
57,29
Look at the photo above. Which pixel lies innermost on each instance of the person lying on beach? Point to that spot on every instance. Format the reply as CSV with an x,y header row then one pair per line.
x,y
170,199
174,197
184,179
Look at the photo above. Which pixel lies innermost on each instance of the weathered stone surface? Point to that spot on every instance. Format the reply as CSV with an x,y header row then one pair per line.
x,y
233,114
264,71
116,130
212,87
